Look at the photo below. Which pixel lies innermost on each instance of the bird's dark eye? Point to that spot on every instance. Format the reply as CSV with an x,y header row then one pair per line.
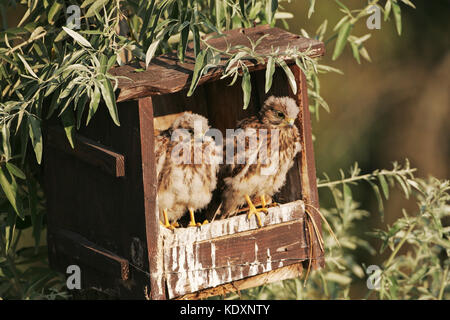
x,y
280,114
191,131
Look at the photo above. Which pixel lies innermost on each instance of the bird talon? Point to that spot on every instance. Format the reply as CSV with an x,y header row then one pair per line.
x,y
254,211
168,225
192,223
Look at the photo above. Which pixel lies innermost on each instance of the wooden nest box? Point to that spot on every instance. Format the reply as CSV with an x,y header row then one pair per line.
x,y
101,195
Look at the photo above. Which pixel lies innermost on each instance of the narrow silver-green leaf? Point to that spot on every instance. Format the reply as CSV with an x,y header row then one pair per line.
x,y
387,9
355,52
14,170
397,16
198,68
384,186
93,105
290,75
54,11
10,190
68,121
77,37
34,127
110,99
86,3
151,52
270,70
95,7
6,142
246,87
312,4
379,199
341,41
27,66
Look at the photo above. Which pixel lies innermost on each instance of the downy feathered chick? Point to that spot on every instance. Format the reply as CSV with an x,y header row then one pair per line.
x,y
246,181
186,167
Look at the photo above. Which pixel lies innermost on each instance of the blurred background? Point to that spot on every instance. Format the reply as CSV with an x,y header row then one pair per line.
x,y
395,107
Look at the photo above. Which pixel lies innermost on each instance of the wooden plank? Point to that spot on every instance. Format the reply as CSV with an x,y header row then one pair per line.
x,y
167,75
88,151
283,273
233,249
79,248
152,225
307,164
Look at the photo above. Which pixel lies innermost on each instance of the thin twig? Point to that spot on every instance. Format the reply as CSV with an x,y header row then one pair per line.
x,y
394,253
326,223
365,177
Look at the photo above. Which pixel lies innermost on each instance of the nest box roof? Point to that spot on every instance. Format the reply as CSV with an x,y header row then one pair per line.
x,y
166,74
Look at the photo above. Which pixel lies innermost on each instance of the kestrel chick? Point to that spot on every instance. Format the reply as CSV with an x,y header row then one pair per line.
x,y
267,174
186,168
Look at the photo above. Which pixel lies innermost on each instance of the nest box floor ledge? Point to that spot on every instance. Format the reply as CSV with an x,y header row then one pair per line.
x,y
233,249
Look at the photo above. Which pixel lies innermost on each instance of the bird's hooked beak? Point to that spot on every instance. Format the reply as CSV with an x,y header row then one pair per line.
x,y
290,121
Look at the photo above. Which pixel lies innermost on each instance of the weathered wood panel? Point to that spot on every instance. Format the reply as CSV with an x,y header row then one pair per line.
x,y
77,248
149,181
307,166
105,209
88,151
288,272
233,249
166,74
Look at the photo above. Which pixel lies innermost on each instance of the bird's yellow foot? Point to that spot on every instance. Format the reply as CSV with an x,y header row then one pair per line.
x,y
192,223
166,222
268,204
254,211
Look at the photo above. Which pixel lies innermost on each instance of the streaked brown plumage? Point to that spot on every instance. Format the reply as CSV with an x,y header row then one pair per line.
x,y
185,186
246,181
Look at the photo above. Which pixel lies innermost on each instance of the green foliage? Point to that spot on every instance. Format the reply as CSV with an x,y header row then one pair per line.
x,y
46,64
421,272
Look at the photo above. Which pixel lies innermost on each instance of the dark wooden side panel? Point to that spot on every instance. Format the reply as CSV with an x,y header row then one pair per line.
x,y
154,240
79,249
307,164
106,210
88,151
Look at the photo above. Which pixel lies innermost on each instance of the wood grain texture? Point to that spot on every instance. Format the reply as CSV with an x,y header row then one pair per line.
x,y
152,226
280,274
306,161
233,249
88,151
166,74
77,248
106,210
